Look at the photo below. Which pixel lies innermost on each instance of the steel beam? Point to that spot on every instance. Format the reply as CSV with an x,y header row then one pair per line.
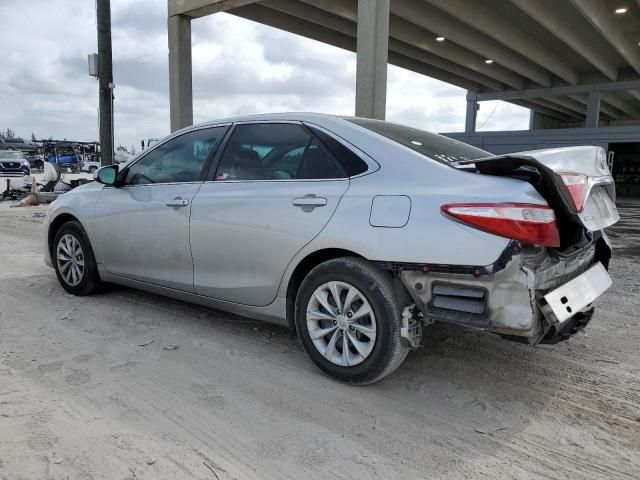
x,y
407,41
620,104
482,18
532,105
433,19
446,55
438,62
180,85
579,104
431,71
200,8
550,103
600,16
560,91
605,109
546,14
267,16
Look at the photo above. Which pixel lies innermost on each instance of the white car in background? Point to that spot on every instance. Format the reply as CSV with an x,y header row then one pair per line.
x,y
90,166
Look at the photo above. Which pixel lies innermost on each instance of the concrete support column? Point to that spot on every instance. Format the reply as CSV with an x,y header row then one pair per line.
x,y
472,112
373,50
532,119
593,110
180,89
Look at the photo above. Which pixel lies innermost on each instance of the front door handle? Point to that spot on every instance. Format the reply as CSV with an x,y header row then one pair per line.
x,y
309,201
178,202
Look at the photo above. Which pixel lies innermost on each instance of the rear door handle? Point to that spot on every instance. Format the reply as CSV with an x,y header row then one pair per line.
x,y
309,201
178,202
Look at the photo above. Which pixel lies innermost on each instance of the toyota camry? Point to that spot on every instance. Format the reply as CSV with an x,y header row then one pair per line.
x,y
355,233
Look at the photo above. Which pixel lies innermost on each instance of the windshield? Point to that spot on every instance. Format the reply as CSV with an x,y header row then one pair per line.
x,y
432,145
11,155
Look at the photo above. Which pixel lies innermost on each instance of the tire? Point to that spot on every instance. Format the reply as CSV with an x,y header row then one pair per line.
x,y
384,354
76,279
92,169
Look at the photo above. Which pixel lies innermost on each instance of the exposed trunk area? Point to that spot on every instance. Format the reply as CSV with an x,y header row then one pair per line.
x,y
541,169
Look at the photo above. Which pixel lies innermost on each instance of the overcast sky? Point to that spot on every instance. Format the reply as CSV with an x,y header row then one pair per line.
x,y
239,67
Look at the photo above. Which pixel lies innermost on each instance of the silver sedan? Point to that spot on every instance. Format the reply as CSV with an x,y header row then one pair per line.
x,y
355,233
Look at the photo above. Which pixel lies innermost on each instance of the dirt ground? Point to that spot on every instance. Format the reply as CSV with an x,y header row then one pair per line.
x,y
91,388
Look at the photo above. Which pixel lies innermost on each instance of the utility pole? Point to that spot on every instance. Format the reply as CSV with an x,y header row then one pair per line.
x,y
105,80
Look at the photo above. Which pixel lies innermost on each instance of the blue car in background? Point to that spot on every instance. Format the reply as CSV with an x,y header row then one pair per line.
x,y
63,159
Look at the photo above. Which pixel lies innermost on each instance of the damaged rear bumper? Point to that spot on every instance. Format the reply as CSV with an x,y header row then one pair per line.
x,y
507,297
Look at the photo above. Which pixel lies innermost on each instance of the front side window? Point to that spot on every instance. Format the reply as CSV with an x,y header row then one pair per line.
x,y
181,159
275,151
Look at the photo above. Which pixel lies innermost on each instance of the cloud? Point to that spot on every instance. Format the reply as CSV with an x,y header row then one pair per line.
x,y
238,67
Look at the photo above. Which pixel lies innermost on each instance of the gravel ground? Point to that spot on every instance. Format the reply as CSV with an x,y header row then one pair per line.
x,y
92,388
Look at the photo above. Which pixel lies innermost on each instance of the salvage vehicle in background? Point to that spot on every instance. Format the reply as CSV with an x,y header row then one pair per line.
x,y
35,161
355,233
19,144
15,171
90,166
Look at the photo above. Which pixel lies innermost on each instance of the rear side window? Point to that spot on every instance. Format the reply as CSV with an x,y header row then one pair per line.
x,y
275,151
351,162
432,145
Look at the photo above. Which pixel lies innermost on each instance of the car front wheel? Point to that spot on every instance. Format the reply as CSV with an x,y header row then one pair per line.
x,y
348,320
73,259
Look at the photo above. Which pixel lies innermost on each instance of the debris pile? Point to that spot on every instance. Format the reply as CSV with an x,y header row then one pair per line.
x,y
53,185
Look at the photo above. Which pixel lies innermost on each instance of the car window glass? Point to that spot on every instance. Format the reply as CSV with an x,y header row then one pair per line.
x,y
352,163
179,160
431,145
275,151
316,163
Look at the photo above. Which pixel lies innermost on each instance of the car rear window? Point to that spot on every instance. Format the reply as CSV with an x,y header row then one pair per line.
x,y
432,145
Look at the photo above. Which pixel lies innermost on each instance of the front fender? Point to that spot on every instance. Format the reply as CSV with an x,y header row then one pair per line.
x,y
77,204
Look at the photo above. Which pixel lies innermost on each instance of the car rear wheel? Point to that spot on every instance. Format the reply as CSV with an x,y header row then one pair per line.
x,y
348,321
74,261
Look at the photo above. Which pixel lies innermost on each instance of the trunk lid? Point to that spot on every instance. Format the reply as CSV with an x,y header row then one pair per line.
x,y
554,173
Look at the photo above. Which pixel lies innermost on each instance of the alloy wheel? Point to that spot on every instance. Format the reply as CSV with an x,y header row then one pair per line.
x,y
341,323
70,259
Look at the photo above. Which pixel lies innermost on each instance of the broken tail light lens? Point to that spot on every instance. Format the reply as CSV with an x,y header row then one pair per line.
x,y
576,184
528,223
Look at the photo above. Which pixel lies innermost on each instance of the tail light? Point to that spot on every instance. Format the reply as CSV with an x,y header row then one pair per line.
x,y
530,224
576,184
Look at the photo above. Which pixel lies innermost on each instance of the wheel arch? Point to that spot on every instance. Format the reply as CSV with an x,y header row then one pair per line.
x,y
55,225
301,270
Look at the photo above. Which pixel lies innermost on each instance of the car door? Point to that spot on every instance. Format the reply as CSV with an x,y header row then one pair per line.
x,y
142,226
274,189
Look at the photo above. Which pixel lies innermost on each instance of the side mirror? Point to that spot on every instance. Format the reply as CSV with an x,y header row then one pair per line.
x,y
107,175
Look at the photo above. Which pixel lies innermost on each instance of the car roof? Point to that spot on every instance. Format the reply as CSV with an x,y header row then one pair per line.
x,y
320,118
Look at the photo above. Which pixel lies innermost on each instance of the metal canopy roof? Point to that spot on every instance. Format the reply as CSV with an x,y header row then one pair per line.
x,y
546,55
